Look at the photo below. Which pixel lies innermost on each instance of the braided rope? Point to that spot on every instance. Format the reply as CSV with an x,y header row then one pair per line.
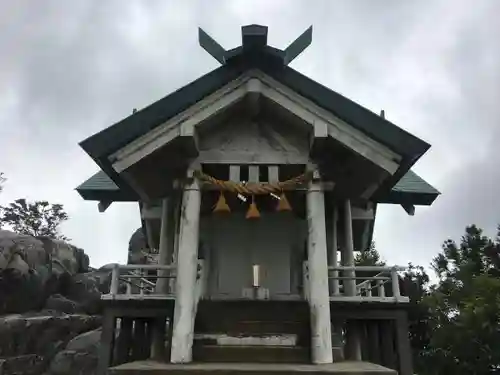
x,y
253,188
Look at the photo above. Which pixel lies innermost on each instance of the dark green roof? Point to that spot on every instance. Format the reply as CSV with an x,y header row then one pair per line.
x,y
253,54
410,189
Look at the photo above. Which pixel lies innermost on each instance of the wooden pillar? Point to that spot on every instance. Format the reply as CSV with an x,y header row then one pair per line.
x,y
353,338
163,249
124,341
335,287
107,343
403,345
349,285
187,262
162,283
319,300
353,329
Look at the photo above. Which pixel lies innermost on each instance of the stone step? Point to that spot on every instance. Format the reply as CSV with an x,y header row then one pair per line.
x,y
239,340
252,327
251,354
159,368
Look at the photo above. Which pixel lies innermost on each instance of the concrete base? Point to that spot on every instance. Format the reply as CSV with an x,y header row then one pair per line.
x,y
158,368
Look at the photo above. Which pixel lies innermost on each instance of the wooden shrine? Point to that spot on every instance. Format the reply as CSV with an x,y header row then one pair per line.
x,y
256,186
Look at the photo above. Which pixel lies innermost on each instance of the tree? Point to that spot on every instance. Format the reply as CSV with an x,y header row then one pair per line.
x,y
465,306
369,257
39,218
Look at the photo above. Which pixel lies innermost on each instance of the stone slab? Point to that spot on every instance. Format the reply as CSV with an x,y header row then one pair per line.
x,y
159,368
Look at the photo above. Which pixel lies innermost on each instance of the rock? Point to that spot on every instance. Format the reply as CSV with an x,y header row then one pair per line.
x,y
32,269
86,289
20,293
79,357
31,250
32,340
65,258
138,250
60,303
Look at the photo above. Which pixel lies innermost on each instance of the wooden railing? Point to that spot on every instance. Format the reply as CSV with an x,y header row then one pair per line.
x,y
142,281
138,281
343,279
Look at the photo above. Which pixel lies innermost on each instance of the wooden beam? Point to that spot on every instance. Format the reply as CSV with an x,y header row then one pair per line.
x,y
150,213
130,179
338,129
178,127
359,213
409,208
102,206
253,97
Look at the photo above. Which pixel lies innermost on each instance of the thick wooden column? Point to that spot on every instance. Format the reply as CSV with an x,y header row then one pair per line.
x,y
187,262
319,300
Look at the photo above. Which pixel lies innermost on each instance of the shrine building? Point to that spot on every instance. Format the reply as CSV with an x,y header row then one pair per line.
x,y
256,187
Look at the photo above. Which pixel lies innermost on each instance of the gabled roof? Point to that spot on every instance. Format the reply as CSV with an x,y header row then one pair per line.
x,y
253,54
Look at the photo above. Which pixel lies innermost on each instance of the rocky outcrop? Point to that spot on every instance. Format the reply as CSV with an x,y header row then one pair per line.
x,y
139,251
79,357
49,307
28,342
32,269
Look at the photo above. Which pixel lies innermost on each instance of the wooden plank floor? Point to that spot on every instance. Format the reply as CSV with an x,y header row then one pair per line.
x,y
160,368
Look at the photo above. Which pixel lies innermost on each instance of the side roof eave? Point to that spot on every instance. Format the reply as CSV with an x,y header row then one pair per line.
x,y
411,189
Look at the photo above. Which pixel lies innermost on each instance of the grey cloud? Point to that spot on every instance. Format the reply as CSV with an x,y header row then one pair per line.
x,y
71,68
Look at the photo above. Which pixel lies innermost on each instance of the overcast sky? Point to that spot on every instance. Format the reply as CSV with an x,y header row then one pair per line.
x,y
71,68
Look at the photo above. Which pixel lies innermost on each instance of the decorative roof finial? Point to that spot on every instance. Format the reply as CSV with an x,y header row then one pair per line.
x,y
254,39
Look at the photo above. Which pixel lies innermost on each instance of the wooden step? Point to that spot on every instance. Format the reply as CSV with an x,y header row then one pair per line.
x,y
250,354
158,368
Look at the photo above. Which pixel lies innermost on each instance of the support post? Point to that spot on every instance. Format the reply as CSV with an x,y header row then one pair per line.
x,y
334,255
319,300
163,249
187,262
353,333
162,282
349,284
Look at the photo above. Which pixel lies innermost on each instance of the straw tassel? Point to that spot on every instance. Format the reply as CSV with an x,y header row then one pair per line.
x,y
283,204
253,211
221,206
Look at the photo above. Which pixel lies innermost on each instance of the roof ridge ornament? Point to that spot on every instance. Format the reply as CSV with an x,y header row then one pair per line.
x,y
254,40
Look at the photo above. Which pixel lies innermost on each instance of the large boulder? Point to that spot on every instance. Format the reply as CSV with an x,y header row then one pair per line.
x,y
139,251
32,269
80,356
31,341
87,288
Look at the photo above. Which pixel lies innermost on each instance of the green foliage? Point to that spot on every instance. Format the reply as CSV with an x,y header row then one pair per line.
x,y
465,306
369,257
39,218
